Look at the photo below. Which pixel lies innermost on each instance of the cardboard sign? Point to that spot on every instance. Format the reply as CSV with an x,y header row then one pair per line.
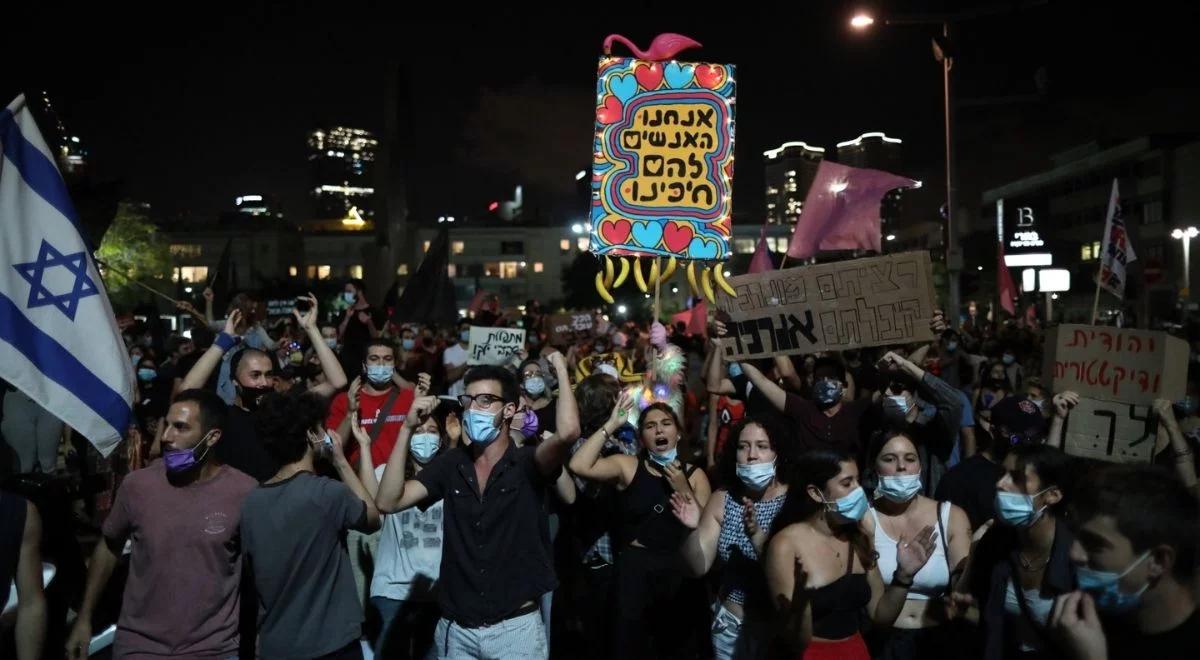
x,y
830,307
280,307
494,345
568,329
1116,364
1111,431
662,161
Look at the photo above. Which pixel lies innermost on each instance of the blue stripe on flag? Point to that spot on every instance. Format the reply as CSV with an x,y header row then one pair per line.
x,y
37,170
59,365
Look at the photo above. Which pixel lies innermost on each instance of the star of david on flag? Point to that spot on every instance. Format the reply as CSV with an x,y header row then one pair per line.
x,y
59,342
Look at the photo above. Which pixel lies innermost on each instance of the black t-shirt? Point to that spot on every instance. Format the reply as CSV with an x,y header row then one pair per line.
x,y
12,533
971,485
239,447
1182,641
758,406
548,417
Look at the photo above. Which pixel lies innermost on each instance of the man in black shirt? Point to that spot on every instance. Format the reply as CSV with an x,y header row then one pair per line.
x,y
1136,567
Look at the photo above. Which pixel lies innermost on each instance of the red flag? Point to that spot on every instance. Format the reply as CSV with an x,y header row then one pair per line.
x,y
1004,282
476,304
761,261
841,211
698,324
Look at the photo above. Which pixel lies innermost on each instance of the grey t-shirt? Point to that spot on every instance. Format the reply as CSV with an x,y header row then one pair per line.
x,y
293,535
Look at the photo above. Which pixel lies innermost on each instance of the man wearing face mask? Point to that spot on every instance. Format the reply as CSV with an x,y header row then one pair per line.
x,y
495,561
361,323
454,359
183,515
377,399
1135,565
931,419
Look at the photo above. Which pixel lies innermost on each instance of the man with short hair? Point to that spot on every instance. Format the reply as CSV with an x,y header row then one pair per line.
x,y
496,560
368,395
182,514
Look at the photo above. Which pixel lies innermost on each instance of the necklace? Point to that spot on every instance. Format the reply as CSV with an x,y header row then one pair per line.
x,y
1028,564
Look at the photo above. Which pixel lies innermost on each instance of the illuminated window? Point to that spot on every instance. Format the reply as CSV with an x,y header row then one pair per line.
x,y
777,244
323,272
425,246
743,245
509,270
538,267
188,250
356,271
456,247
402,269
190,274
452,270
491,269
565,245
582,243
1085,252
293,271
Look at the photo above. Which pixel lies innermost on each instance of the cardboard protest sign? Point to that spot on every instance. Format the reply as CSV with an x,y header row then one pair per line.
x,y
568,329
1111,431
1116,364
662,164
830,307
494,345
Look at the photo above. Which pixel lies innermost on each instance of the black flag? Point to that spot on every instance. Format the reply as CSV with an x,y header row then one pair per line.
x,y
429,296
220,280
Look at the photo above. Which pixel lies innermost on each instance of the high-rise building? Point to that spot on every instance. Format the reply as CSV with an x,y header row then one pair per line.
x,y
877,151
68,151
790,170
342,169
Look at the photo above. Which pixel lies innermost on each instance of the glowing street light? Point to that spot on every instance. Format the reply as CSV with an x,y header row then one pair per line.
x,y
577,228
621,309
580,174
891,237
861,21
1185,236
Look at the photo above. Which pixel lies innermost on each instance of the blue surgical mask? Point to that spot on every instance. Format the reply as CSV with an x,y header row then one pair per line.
x,y
380,374
424,445
481,427
735,369
899,488
1008,359
1105,587
146,375
600,348
852,506
1016,509
666,457
465,335
756,476
407,344
349,297
331,342
951,346
1185,407
135,358
535,386
827,392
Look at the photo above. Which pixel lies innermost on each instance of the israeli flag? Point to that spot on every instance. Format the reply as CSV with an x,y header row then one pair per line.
x,y
59,341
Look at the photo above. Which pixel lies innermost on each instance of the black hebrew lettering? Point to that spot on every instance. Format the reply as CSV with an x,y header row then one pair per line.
x,y
765,323
706,142
689,139
657,121
676,194
708,194
1112,428
704,117
1149,426
694,162
881,278
750,329
656,138
646,198
790,290
691,119
906,274
648,166
826,286
672,162
762,335
631,140
670,117
674,143
850,281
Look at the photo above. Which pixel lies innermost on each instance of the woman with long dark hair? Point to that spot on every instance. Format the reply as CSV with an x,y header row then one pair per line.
x,y
649,570
822,569
755,464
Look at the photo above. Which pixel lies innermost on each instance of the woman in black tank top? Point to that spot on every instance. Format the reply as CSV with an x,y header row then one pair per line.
x,y
821,567
650,569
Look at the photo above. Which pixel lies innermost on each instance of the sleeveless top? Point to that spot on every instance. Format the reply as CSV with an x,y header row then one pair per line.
x,y
744,577
838,608
645,512
933,580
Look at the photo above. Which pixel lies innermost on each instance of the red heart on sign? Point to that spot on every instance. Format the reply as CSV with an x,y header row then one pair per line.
x,y
610,112
710,75
677,237
649,76
617,232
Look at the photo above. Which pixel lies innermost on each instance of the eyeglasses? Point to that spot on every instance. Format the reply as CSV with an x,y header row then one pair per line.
x,y
484,400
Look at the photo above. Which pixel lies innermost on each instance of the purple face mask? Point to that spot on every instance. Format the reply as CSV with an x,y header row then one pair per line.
x,y
530,428
179,461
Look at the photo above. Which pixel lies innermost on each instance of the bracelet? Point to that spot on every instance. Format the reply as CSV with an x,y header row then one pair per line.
x,y
225,341
1185,452
896,582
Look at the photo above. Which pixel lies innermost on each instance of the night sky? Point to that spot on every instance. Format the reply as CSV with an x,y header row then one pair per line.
x,y
188,113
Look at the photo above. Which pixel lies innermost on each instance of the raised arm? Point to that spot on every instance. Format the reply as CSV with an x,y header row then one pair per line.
x,y
1185,464
552,452
1063,403
397,493
335,376
587,462
700,547
366,463
350,478
208,363
714,373
769,389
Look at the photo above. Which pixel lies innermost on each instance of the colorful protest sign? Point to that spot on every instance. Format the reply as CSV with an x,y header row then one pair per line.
x,y
662,169
830,307
1116,364
568,329
494,345
1111,431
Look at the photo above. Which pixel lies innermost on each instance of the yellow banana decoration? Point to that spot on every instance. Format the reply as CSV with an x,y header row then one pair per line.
x,y
706,282
608,271
691,273
653,279
637,274
623,274
719,276
669,270
600,289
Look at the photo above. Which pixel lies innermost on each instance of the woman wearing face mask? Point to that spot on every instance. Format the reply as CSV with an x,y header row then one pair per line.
x,y
535,393
649,575
993,389
821,568
408,559
734,525
898,509
1023,562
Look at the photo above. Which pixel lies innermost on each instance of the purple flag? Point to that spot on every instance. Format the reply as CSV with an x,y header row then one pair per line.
x,y
761,261
841,211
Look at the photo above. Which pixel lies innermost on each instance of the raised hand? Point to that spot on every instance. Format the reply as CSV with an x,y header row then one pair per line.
x,y
422,408
912,554
1074,621
233,322
423,382
208,294
360,434
938,322
352,394
557,360
686,509
364,318
620,412
185,306
1064,402
453,428
307,320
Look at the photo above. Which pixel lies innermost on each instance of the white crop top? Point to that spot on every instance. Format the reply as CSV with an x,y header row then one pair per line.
x,y
933,579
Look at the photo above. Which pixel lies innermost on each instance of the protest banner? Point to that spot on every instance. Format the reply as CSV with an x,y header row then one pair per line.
x,y
1111,431
494,345
1116,364
830,307
276,308
568,329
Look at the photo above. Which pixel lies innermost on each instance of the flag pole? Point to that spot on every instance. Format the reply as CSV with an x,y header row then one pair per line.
x,y
131,280
657,281
783,261
1096,301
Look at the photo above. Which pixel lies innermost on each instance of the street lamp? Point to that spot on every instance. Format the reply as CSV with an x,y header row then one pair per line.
x,y
1185,236
861,21
577,228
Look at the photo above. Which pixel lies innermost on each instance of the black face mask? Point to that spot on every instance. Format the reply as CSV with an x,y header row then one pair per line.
x,y
997,384
252,396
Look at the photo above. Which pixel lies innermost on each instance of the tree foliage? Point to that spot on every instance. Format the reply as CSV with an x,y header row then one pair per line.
x,y
133,249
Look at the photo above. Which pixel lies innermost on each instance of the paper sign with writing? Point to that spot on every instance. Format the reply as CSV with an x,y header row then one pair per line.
x,y
1111,431
1116,364
567,329
830,307
662,168
494,345
281,307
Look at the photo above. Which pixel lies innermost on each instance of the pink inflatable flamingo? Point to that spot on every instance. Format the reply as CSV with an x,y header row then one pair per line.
x,y
664,47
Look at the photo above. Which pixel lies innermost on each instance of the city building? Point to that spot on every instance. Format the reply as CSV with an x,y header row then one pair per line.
x,y
790,170
67,148
877,151
342,165
1055,219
